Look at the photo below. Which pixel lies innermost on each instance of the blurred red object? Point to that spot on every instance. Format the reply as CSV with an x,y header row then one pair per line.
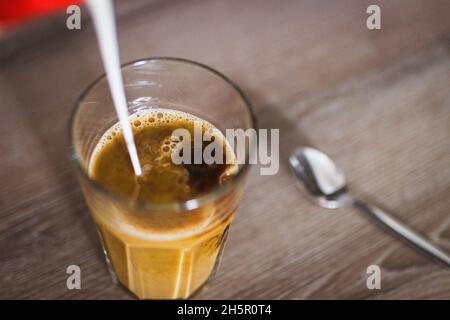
x,y
15,12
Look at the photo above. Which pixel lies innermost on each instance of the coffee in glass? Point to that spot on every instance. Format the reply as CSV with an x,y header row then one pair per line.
x,y
163,231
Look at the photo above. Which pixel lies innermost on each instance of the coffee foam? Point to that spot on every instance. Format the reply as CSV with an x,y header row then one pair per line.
x,y
155,117
151,117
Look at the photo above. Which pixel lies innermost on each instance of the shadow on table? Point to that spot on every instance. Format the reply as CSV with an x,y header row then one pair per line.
x,y
272,117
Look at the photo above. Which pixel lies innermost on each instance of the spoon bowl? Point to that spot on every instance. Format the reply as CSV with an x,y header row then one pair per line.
x,y
321,178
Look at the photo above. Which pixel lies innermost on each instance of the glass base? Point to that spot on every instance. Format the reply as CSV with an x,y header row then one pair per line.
x,y
152,272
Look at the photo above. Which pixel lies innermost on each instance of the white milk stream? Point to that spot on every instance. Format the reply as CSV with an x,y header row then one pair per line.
x,y
103,16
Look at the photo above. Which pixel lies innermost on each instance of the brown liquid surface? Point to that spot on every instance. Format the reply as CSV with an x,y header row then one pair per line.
x,y
154,254
162,181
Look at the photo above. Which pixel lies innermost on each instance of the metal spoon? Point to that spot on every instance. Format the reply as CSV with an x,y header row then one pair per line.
x,y
325,182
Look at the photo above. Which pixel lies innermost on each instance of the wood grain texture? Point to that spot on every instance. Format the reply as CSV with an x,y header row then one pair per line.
x,y
376,101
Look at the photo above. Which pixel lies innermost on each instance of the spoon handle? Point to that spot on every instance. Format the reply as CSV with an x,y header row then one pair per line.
x,y
403,230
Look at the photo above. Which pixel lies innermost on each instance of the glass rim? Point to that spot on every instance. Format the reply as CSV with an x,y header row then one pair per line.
x,y
184,205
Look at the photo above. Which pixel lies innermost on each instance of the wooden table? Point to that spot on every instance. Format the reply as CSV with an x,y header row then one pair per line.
x,y
377,101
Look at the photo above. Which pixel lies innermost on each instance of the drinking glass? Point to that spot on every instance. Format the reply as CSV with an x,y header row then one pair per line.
x,y
158,265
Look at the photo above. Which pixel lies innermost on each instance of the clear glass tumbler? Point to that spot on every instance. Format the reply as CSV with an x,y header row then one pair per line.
x,y
161,267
